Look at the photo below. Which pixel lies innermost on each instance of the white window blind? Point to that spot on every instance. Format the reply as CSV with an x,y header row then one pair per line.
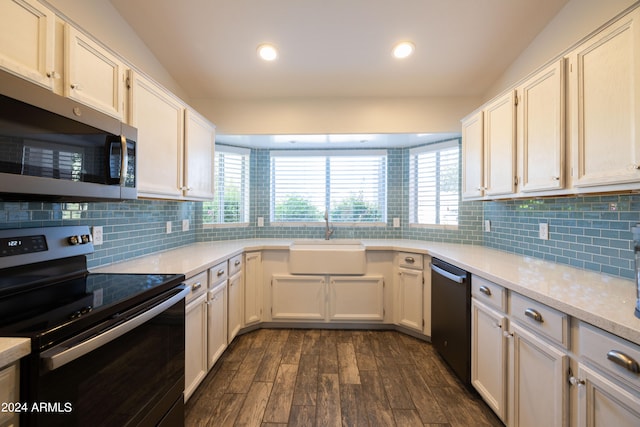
x,y
351,186
231,184
434,187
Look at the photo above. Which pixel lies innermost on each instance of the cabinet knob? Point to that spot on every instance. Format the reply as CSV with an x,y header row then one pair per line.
x,y
409,260
237,263
220,272
507,334
556,178
576,381
196,286
75,86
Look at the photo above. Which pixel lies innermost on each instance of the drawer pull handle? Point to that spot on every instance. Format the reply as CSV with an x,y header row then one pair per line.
x,y
485,290
534,314
220,272
237,263
409,260
196,286
619,358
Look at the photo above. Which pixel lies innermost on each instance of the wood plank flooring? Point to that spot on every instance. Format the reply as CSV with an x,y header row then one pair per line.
x,y
297,377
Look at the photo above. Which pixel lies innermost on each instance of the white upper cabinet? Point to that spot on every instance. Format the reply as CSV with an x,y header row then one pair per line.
x,y
159,117
93,75
473,156
27,40
199,143
604,79
500,145
540,131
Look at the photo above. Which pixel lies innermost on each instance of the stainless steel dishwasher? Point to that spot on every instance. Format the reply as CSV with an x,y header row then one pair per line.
x,y
451,316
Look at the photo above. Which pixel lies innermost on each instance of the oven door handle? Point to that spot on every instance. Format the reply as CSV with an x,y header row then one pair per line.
x,y
59,356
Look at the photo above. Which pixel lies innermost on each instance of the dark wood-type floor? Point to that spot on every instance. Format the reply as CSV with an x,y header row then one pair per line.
x,y
279,377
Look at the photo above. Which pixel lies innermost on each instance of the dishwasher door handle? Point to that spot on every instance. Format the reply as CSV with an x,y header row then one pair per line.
x,y
451,276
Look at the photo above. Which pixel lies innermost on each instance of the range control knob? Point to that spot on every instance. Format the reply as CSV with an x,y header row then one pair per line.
x,y
86,238
74,240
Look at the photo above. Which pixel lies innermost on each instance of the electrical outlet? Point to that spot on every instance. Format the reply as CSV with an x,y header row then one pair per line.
x,y
487,225
396,222
260,221
168,227
543,231
185,225
97,235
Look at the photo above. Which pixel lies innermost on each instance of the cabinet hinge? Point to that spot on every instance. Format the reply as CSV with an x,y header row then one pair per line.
x,y
422,323
423,280
127,82
515,100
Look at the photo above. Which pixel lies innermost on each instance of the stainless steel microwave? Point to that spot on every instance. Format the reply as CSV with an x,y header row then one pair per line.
x,y
53,148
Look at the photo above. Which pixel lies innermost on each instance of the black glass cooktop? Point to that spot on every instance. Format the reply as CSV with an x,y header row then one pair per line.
x,y
58,309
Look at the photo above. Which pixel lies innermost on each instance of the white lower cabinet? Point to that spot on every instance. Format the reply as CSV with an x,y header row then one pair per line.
x,y
356,298
603,403
538,386
608,380
410,298
298,297
195,357
235,305
9,393
217,323
489,356
252,288
518,369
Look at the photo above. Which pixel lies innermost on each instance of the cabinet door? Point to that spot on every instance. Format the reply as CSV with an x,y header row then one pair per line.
x,y
195,356
473,157
217,323
92,75
298,297
602,403
27,40
159,118
235,311
605,102
489,356
253,288
199,143
410,299
541,130
538,382
500,146
356,298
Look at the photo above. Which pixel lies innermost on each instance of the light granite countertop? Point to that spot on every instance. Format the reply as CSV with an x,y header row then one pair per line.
x,y
12,349
604,301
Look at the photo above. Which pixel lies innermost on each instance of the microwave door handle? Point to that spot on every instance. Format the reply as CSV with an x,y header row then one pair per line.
x,y
60,356
124,160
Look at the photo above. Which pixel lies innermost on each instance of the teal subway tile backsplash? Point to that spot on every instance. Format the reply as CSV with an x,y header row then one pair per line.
x,y
589,232
131,229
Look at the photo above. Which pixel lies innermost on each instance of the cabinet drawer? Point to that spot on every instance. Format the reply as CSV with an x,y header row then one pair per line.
x,y
198,285
410,260
611,354
543,319
489,293
235,264
218,273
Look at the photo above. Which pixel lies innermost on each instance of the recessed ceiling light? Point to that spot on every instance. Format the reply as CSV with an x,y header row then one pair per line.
x,y
403,49
267,51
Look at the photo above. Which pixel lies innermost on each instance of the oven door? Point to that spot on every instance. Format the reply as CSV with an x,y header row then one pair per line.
x,y
131,374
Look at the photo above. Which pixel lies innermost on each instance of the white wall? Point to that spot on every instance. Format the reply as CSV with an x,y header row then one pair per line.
x,y
101,20
331,115
575,21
